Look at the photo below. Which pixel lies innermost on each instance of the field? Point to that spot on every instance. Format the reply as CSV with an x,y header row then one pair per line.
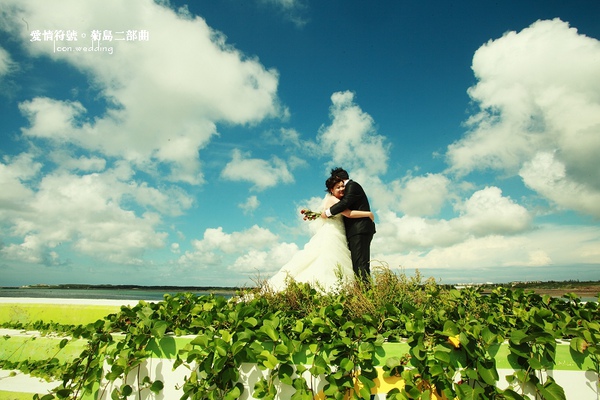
x,y
587,290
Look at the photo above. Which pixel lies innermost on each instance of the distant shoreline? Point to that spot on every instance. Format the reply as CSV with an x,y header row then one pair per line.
x,y
554,288
165,288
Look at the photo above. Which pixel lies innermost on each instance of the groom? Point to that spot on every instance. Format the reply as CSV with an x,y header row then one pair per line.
x,y
359,231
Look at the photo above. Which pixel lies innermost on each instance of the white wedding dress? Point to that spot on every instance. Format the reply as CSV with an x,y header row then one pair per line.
x,y
323,262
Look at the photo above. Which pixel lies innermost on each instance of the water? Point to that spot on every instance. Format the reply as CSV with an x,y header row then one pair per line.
x,y
99,294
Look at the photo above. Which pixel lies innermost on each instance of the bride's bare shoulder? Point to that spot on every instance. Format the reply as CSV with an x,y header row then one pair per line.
x,y
330,200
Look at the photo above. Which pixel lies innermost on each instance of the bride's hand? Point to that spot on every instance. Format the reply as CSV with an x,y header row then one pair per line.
x,y
372,216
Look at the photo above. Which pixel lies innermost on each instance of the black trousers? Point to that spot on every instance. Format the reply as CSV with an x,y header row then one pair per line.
x,y
360,252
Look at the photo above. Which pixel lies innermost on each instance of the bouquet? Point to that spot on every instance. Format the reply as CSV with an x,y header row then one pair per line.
x,y
309,215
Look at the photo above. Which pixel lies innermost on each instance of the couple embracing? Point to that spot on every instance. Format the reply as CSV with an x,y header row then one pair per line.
x,y
340,246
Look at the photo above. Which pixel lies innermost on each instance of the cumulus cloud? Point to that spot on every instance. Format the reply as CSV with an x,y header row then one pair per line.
x,y
15,172
231,250
82,163
488,212
265,261
88,212
424,195
546,246
112,169
263,174
485,213
164,95
539,93
548,176
351,139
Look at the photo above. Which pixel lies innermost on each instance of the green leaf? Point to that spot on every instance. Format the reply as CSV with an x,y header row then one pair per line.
x,y
487,371
235,393
512,395
225,335
368,384
200,341
517,336
126,391
270,361
220,346
63,393
156,386
450,328
159,328
535,363
238,346
347,365
442,355
392,362
551,390
436,370
578,344
488,336
298,327
319,366
466,392
285,374
269,331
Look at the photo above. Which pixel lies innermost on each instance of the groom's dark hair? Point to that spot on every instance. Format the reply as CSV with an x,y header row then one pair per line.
x,y
340,173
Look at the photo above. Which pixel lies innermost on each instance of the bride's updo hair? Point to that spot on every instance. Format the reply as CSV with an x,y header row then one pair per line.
x,y
331,182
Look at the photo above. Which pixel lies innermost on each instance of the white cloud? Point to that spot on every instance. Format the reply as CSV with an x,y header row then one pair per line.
x,y
424,195
165,94
538,91
256,261
254,237
351,139
51,119
261,173
252,250
82,163
250,204
401,234
91,190
548,176
91,213
6,62
15,193
488,212
485,213
548,245
293,10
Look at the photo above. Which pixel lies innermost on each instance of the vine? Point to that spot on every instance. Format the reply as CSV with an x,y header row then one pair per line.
x,y
300,334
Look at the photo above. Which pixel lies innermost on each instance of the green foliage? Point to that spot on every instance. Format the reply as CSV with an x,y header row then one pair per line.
x,y
300,334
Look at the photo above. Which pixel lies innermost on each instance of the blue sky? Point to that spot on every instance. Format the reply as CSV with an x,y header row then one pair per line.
x,y
179,149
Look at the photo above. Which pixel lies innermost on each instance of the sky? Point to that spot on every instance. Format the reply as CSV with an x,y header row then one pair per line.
x,y
174,143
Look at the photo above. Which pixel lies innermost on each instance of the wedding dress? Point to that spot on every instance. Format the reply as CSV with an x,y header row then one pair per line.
x,y
324,261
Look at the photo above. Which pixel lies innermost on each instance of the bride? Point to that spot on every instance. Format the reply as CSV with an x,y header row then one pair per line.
x,y
325,259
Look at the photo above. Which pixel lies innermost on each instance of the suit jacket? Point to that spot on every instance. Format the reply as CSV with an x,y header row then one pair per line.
x,y
354,199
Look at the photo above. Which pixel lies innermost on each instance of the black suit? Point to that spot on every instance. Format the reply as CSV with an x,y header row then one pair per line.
x,y
359,231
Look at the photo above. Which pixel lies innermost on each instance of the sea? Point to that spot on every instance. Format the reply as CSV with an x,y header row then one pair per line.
x,y
102,294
